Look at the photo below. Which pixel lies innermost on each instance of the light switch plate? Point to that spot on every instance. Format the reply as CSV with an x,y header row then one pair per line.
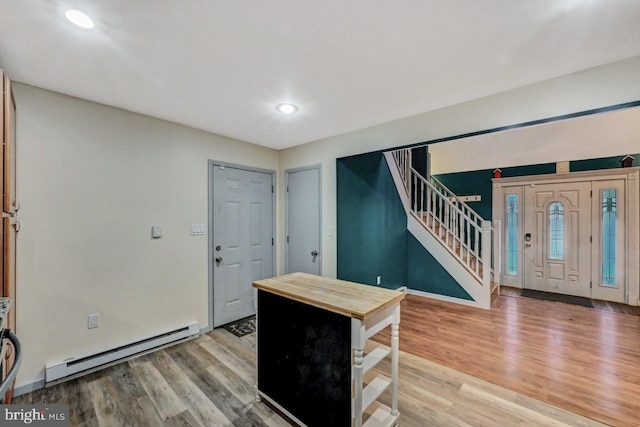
x,y
156,231
93,321
198,230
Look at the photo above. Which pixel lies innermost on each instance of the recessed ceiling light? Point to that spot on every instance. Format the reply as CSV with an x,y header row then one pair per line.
x,y
287,108
79,18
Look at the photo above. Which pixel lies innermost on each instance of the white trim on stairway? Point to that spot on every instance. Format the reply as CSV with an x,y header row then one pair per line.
x,y
437,249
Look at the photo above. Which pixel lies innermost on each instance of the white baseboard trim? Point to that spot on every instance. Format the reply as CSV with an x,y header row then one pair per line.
x,y
28,387
445,298
84,363
39,383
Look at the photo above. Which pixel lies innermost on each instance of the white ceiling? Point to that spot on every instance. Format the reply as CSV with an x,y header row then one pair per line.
x,y
222,66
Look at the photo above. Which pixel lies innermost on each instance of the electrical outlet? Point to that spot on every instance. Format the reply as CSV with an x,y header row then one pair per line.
x,y
378,280
93,321
156,231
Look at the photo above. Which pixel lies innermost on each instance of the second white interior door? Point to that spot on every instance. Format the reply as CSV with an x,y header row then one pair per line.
x,y
303,221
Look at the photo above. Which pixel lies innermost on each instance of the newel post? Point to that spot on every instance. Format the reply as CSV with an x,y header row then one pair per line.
x,y
486,264
497,251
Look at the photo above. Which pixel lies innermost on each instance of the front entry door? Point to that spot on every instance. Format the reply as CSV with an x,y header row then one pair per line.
x,y
303,221
557,233
242,239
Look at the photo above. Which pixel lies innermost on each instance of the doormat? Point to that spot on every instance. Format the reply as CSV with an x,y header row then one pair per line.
x,y
550,296
242,327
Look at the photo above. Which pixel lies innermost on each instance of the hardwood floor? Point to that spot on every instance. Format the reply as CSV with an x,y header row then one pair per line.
x,y
204,382
597,304
209,382
581,359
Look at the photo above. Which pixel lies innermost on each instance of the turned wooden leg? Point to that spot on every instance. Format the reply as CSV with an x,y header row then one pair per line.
x,y
357,343
395,347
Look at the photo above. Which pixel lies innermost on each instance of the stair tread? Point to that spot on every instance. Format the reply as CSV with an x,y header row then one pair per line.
x,y
466,259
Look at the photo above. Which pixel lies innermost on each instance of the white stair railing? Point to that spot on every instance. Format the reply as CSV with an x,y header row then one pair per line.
x,y
403,161
464,233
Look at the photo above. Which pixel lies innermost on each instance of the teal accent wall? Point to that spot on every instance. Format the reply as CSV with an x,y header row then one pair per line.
x,y
600,163
373,239
372,224
479,181
424,272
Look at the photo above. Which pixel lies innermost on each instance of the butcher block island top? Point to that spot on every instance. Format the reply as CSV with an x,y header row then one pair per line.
x,y
347,298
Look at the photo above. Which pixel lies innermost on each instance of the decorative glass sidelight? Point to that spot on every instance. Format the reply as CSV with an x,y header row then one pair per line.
x,y
512,234
556,230
609,217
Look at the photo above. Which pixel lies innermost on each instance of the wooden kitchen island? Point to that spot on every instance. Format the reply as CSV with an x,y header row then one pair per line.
x,y
311,349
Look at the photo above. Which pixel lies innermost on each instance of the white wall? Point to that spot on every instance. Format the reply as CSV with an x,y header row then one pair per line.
x,y
608,85
91,182
599,135
93,179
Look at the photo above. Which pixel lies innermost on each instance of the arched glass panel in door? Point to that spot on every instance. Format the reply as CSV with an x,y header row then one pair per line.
x,y
556,230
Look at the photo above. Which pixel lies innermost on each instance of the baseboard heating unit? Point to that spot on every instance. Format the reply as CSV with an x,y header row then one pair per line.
x,y
89,362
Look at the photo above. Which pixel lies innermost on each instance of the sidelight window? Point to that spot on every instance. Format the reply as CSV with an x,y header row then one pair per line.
x,y
556,230
512,234
609,217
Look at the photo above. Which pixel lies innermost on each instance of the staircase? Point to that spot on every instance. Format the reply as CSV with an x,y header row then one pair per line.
x,y
455,235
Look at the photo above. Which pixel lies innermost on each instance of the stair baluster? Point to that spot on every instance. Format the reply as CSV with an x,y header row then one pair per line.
x,y
465,234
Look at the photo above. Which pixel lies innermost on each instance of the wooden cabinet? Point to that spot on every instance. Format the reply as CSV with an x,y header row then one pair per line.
x,y
9,224
9,229
312,358
9,203
9,148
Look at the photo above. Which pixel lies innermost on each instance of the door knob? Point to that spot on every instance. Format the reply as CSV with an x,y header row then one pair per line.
x,y
314,253
219,259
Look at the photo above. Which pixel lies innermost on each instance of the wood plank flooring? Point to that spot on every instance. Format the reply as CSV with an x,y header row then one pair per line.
x,y
581,359
204,382
209,382
616,307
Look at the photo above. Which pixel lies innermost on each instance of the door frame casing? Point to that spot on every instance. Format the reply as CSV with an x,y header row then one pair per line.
x,y
631,176
317,166
210,221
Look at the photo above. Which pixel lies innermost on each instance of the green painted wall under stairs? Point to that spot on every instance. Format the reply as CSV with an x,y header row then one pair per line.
x,y
372,232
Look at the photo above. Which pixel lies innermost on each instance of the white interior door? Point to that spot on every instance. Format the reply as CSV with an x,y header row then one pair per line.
x,y
303,221
609,241
557,248
242,239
